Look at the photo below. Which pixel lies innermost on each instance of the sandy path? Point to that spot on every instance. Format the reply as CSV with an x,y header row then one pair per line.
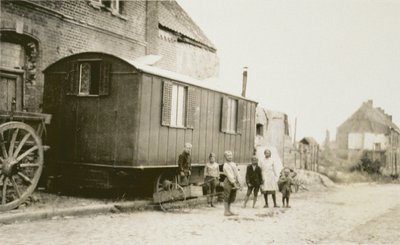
x,y
346,214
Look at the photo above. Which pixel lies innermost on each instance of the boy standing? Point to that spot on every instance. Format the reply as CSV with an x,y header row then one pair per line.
x,y
231,182
253,180
284,184
211,178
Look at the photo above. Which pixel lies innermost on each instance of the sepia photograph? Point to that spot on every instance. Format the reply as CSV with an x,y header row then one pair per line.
x,y
199,122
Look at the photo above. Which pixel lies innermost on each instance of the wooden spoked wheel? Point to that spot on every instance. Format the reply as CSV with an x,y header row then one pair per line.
x,y
21,163
172,191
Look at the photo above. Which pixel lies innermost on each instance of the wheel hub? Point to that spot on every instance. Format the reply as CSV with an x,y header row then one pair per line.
x,y
9,167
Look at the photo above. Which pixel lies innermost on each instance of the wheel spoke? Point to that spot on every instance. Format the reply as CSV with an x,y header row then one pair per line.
x,y
21,144
24,165
1,179
3,200
3,146
1,160
15,186
24,177
19,158
12,142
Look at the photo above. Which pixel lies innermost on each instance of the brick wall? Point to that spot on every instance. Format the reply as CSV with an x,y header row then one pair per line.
x,y
84,29
131,23
185,58
196,62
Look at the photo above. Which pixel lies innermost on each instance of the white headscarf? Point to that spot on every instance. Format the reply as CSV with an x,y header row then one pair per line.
x,y
274,156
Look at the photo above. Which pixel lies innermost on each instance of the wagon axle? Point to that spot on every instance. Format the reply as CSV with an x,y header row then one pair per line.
x,y
10,167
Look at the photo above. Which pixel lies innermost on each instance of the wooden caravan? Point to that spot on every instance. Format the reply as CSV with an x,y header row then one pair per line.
x,y
117,122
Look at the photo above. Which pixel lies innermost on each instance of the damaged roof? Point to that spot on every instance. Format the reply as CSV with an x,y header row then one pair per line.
x,y
309,141
369,119
174,18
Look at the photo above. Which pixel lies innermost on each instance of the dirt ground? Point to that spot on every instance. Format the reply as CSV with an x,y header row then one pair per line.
x,y
42,201
354,214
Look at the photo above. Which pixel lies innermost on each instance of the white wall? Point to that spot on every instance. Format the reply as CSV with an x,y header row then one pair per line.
x,y
355,141
366,141
371,139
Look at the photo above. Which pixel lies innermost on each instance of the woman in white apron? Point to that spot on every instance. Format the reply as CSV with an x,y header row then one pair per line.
x,y
270,178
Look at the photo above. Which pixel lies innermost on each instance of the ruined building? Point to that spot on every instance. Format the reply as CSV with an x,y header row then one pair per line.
x,y
371,129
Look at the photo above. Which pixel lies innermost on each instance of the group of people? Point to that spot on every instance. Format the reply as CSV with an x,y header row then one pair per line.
x,y
264,177
259,177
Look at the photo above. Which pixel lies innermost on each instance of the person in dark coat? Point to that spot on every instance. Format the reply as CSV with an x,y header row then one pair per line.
x,y
185,164
253,180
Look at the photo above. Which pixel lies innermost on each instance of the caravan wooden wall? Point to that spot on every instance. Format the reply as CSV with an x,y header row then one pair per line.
x,y
124,127
161,145
92,129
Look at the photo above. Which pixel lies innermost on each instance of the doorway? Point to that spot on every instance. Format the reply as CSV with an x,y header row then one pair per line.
x,y
10,90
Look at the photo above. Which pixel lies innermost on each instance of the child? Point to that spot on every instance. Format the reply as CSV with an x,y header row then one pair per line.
x,y
284,183
253,180
231,182
211,178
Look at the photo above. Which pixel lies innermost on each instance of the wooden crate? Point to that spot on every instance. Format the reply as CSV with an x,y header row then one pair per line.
x,y
193,191
166,196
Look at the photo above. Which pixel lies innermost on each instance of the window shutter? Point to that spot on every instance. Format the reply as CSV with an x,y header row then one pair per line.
x,y
73,78
166,103
224,114
192,106
240,116
104,86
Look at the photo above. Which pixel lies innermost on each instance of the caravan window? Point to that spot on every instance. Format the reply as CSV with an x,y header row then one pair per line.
x,y
178,105
89,78
232,115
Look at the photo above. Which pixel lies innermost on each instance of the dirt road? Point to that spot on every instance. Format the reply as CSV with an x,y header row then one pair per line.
x,y
360,213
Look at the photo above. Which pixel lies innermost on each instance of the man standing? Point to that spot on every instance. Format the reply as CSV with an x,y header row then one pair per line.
x,y
231,182
185,164
253,180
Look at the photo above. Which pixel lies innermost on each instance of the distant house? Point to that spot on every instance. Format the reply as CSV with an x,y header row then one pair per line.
x,y
272,131
370,129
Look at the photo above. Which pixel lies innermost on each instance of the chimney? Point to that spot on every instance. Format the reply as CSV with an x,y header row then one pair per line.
x,y
244,84
390,118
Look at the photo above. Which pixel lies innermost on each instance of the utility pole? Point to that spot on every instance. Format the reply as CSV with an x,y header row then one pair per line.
x,y
294,142
283,150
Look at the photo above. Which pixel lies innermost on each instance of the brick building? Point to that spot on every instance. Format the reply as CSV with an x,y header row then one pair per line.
x,y
35,34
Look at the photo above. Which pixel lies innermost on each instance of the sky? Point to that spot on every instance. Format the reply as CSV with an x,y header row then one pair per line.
x,y
317,61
